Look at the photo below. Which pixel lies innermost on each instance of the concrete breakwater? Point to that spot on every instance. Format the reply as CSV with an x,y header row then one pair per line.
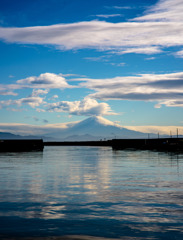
x,y
21,145
161,144
80,143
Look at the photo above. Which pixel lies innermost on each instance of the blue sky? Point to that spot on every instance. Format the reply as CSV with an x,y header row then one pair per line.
x,y
63,61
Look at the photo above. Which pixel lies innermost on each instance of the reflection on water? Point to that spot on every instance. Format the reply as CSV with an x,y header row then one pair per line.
x,y
91,192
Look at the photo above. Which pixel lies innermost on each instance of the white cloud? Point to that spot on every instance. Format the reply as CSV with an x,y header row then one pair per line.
x,y
178,102
40,84
160,27
120,7
5,92
71,75
44,80
86,107
158,105
164,10
179,54
53,97
150,58
30,101
108,15
166,89
28,129
37,92
98,59
141,50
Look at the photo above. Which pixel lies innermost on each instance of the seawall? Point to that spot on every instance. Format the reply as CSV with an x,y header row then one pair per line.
x,y
161,144
21,145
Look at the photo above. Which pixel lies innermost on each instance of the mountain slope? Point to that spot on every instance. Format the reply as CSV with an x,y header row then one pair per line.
x,y
97,128
6,135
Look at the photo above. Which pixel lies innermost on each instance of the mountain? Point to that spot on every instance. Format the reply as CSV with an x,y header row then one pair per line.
x,y
7,135
91,129
95,128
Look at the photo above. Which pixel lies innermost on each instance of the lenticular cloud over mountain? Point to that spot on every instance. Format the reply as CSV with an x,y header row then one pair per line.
x,y
86,107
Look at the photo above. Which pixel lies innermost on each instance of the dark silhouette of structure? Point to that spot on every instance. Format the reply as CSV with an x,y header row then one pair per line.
x,y
21,145
161,144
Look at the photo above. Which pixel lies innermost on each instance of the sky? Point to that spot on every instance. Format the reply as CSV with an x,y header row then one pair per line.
x,y
63,61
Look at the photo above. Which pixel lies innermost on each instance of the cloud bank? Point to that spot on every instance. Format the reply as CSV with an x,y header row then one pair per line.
x,y
163,89
162,130
85,107
166,89
161,27
30,129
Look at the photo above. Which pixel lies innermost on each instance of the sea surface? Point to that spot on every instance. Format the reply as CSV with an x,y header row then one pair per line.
x,y
91,193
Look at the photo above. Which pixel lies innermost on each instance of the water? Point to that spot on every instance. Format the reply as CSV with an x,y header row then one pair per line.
x,y
91,193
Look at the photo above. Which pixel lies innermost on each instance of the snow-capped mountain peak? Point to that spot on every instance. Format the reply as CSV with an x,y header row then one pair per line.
x,y
98,120
97,127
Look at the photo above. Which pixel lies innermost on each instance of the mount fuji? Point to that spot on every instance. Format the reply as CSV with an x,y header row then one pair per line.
x,y
95,128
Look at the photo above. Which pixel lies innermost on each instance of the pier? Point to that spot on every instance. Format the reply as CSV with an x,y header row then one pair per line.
x,y
80,143
21,145
160,144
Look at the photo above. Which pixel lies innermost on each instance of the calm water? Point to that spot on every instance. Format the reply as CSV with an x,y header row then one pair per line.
x,y
91,191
